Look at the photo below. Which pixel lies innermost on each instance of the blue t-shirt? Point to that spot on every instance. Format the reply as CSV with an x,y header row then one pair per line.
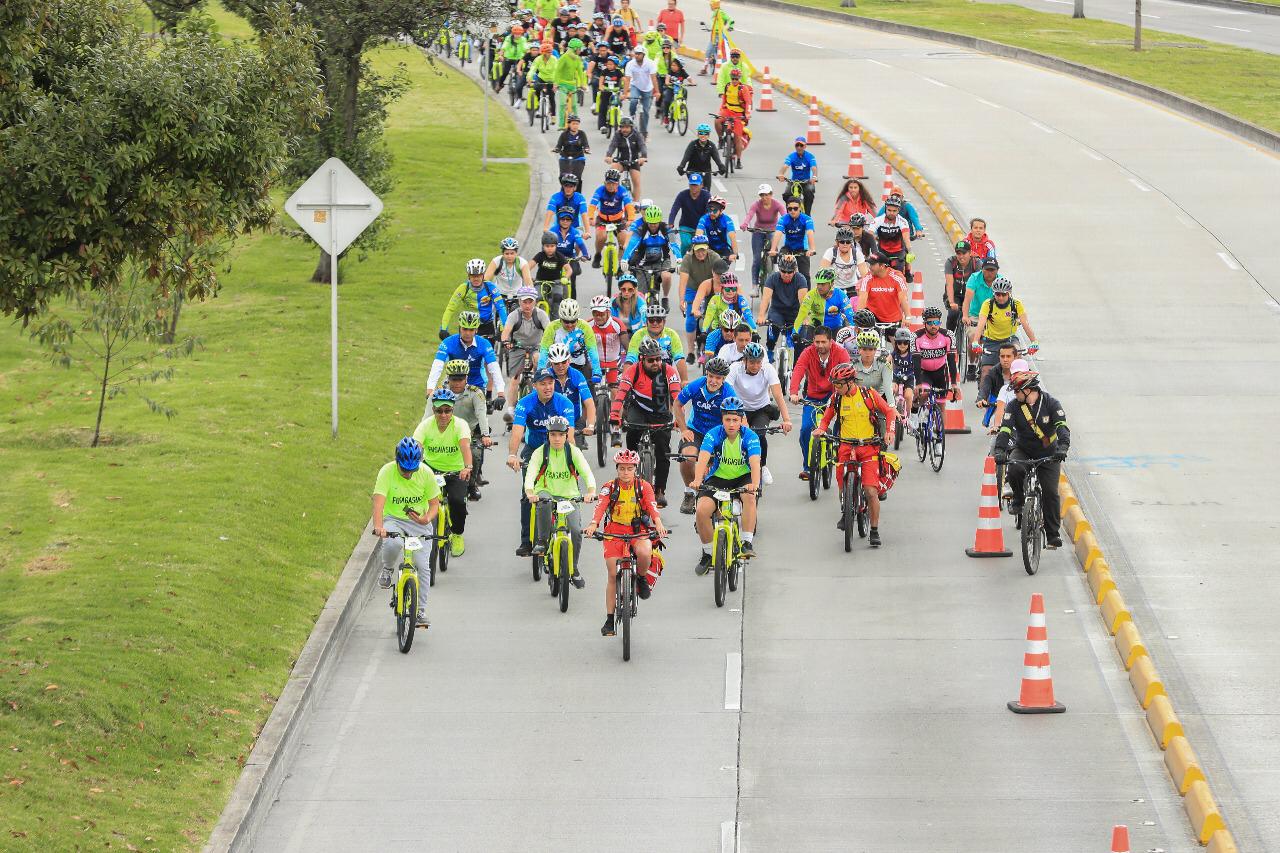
x,y
714,438
802,165
706,406
477,355
977,285
663,241
795,231
717,231
611,204
533,414
575,387
570,244
577,201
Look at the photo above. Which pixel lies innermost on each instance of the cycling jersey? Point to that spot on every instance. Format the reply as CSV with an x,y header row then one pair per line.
x,y
722,78
611,206
575,387
717,231
884,295
835,310
1002,323
610,80
784,305
577,201
889,233
736,101
513,48
569,243
668,339
698,157
960,273
533,414
795,231
936,352
549,267
608,340
713,342
651,393
508,278
846,269
705,414
801,165
717,305
440,447
645,243
480,356
581,342
487,302
527,331
982,247
904,367
634,319
542,69
619,40
686,210
556,472
855,414
415,493
730,457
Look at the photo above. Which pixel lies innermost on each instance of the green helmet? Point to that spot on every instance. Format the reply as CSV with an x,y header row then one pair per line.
x,y
653,214
575,44
868,339
468,320
457,367
825,275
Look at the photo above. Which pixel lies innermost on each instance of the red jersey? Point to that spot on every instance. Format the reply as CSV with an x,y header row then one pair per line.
x,y
811,369
653,394
674,19
883,295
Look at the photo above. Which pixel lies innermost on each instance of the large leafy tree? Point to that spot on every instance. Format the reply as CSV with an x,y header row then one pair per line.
x,y
170,12
118,149
357,96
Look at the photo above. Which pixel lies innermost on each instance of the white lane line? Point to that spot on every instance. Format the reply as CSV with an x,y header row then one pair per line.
x,y
1140,185
878,62
728,843
988,103
1152,17
1059,2
741,30
936,82
1186,222
1038,126
1226,259
720,187
1233,29
733,681
1093,154
814,46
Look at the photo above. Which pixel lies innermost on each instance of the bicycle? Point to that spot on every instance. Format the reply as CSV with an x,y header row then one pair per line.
x,y
444,43
625,601
726,143
854,511
560,548
552,293
678,109
609,104
900,424
604,427
404,591
535,104
1030,522
726,542
610,255
767,261
821,460
648,454
513,84
784,359
495,73
464,50
931,435
649,278
441,546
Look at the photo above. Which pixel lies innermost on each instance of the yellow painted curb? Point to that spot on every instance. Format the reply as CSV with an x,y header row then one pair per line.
x,y
1222,842
1100,583
1087,549
1145,681
1072,518
1163,722
1183,766
1115,611
1203,811
1129,644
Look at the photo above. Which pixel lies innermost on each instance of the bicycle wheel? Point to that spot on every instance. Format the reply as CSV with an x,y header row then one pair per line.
x,y
898,431
1030,533
815,467
433,561
626,591
565,563
407,615
545,114
446,550
922,437
537,568
734,568
553,580
937,439
784,362
602,436
682,120
848,507
720,564
647,462
863,513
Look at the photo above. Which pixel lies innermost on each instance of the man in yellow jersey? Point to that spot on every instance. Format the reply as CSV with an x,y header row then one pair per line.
x,y
406,500
735,108
446,447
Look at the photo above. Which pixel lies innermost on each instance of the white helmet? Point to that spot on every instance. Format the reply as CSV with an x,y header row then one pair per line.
x,y
600,302
475,266
729,318
558,353
569,311
846,334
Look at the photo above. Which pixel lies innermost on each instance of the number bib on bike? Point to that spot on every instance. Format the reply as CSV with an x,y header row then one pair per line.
x,y
733,459
855,417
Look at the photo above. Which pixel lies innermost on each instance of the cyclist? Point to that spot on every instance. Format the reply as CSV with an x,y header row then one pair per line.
x,y
824,305
852,414
977,290
813,371
980,240
728,458
804,171
956,271
730,320
783,290
509,271
735,109
668,339
629,306
627,507
551,270
846,258
794,235
513,50
608,87
406,500
618,37
639,78
762,220
992,387
446,447
725,75
652,248
648,394
1034,427
734,344
903,364
869,369
699,154
719,229
689,206
998,321
567,196
553,471
697,266
627,150
935,352
475,350
570,243
760,390
721,24
571,383
674,73
883,291
524,328
892,231
479,296
570,76
727,299
576,334
529,432
907,210
611,204
854,199
610,338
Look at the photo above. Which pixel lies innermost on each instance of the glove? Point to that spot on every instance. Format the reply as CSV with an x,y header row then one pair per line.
x,y
1001,457
1059,455
499,401
444,333
680,172
911,256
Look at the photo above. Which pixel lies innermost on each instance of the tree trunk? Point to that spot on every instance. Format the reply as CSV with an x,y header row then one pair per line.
x,y
1078,10
321,275
102,400
350,96
1137,24
171,328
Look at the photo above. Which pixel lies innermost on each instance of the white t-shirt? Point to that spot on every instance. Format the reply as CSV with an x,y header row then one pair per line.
x,y
753,391
1006,394
508,279
846,270
641,74
730,353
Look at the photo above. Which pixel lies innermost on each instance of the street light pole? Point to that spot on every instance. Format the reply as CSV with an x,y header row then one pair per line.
x,y
484,135
1137,24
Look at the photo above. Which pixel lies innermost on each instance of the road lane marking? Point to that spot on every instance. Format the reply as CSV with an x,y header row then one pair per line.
x,y
1152,17
1038,126
1233,29
733,681
814,46
878,62
728,837
1139,185
936,82
1093,154
719,184
1226,259
1188,223
988,103
1060,2
742,263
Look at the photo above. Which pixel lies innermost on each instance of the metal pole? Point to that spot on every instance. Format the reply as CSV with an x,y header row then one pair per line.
x,y
484,135
333,299
1137,24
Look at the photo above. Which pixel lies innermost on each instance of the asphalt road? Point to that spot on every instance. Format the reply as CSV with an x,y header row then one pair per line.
x,y
837,702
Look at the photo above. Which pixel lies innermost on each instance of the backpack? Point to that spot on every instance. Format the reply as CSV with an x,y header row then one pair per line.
x,y
546,453
1013,309
537,324
642,518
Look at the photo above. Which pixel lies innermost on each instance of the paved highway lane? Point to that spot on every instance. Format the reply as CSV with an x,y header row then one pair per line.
x,y
837,702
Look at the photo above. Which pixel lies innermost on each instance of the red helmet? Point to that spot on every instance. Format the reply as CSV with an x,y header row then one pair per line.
x,y
734,74
841,373
626,457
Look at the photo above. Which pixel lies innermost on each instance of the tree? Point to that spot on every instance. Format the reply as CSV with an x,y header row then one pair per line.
x,y
113,144
356,96
116,333
1077,10
170,12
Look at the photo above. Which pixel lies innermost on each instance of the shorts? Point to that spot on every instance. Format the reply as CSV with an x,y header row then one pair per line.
x,y
609,370
935,378
690,321
713,484
695,445
904,380
868,459
515,363
991,350
617,548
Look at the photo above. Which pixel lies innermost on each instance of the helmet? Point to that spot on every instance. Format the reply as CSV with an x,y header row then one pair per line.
x,y
598,16
655,310
844,235
903,335
933,312
408,454
549,238
753,351
1025,380
570,179
509,243
649,348
475,266
557,424
443,395
728,279
653,214
517,30
569,310
468,320
1019,365
617,22
612,175
626,457
894,200
842,373
845,334
526,292
566,212
735,74
730,318
575,44
557,353
645,202
666,41
457,367
787,264
865,318
626,278
716,367
699,240
662,28
1002,285
868,339
857,221
704,129
599,302
826,275
719,200
731,406
545,47
626,121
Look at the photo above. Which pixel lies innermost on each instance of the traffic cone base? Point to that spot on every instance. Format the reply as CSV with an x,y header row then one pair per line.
x,y
988,540
1018,708
953,418
1036,696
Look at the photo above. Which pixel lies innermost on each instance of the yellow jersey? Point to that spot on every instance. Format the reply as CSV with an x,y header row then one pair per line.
x,y
626,506
1001,322
733,98
855,418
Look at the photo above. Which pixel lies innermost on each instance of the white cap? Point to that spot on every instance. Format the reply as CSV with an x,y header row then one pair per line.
x,y
764,188
1019,365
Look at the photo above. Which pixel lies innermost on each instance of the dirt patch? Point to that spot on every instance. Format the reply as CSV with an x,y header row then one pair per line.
x,y
46,564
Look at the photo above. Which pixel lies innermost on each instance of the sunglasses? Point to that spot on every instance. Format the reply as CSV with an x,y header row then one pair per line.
x,y
657,319
845,242
445,409
626,290
793,207
933,322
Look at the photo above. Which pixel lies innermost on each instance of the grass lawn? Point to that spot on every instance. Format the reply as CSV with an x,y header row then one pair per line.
x,y
1245,83
155,592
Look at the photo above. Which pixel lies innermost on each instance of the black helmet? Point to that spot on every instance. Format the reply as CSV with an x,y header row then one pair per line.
x,y
865,319
787,263
933,312
844,235
649,348
716,367
550,239
570,179
612,175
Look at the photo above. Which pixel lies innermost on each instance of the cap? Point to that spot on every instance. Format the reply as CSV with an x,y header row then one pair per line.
x,y
800,140
695,177
764,189
991,263
962,245
1019,365
544,373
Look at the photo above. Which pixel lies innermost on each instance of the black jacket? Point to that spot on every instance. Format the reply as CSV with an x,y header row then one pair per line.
x,y
698,158
1043,435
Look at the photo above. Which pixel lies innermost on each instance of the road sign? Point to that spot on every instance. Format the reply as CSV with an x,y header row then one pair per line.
x,y
334,206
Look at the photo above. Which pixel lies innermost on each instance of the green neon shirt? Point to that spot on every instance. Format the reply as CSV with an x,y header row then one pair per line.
x,y
733,461
440,448
417,492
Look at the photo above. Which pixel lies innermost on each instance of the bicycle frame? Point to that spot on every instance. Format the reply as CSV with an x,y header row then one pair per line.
x,y
725,524
408,571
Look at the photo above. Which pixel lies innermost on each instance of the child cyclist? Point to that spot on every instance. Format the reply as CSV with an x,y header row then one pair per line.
x,y
609,333
904,368
627,506
553,473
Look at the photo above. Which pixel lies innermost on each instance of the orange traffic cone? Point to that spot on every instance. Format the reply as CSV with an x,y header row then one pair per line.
x,y
988,541
1120,839
766,93
888,182
915,308
855,154
953,418
1036,696
815,130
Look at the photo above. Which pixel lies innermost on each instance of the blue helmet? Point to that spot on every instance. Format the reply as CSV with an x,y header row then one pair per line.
x,y
704,129
732,406
699,240
408,454
753,351
443,395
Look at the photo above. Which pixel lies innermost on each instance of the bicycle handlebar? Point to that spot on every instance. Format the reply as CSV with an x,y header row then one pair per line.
x,y
651,535
391,534
855,442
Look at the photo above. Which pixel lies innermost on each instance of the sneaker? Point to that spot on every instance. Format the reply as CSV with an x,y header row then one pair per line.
x,y
422,617
874,538
840,522
1054,542
1014,508
661,498
704,565
539,550
804,475
689,357
525,550
643,590
456,543
748,549
666,304
615,440
595,262
688,503
384,579
578,581
765,476
606,630
473,494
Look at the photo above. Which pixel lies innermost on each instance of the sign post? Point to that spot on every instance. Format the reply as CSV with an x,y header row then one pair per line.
x,y
334,207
